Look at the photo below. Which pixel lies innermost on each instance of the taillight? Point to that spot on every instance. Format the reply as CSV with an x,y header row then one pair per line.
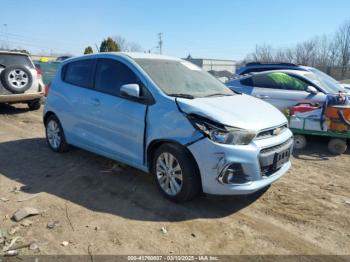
x,y
38,72
47,89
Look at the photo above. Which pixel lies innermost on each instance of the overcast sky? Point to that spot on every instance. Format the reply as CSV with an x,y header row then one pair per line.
x,y
214,29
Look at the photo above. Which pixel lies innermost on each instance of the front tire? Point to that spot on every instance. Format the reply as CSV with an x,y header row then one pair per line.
x,y
176,173
55,135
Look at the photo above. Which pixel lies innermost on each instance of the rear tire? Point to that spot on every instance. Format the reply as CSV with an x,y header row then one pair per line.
x,y
34,105
337,146
176,173
55,137
300,142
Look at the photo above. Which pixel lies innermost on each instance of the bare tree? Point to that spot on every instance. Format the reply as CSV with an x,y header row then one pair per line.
x,y
263,53
328,53
342,40
127,46
305,52
283,55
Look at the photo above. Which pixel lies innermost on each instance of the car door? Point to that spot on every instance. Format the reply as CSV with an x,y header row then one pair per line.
x,y
117,123
73,103
283,90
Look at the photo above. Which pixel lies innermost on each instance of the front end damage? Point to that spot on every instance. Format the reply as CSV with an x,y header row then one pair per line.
x,y
242,169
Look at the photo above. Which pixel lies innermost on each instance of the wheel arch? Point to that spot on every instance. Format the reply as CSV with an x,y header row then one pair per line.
x,y
47,115
152,147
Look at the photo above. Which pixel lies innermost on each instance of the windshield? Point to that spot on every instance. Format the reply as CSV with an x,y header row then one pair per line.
x,y
181,78
329,84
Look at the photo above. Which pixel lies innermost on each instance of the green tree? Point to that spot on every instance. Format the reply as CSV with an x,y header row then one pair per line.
x,y
88,50
109,45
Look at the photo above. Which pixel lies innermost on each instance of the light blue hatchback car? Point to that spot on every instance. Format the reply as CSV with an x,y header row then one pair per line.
x,y
166,116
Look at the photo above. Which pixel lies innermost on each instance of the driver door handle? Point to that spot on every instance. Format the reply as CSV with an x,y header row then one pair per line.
x,y
95,102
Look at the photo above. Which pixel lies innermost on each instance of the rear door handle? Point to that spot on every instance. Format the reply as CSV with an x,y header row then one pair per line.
x,y
262,96
95,102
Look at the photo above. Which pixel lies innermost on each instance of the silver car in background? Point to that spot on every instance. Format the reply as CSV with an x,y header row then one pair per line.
x,y
286,88
20,80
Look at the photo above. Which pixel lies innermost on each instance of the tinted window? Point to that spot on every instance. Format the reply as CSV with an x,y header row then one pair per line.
x,y
265,81
247,82
295,83
279,80
111,75
11,59
79,73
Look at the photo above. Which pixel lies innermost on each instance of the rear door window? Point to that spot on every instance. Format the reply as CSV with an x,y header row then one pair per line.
x,y
13,59
280,80
111,75
265,81
296,84
79,73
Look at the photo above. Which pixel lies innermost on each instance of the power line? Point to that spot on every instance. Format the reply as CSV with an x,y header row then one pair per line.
x,y
36,39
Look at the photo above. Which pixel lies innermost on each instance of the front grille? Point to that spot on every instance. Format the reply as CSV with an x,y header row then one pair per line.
x,y
270,157
275,148
271,132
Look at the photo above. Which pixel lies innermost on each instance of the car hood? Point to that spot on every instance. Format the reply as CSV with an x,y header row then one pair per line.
x,y
241,111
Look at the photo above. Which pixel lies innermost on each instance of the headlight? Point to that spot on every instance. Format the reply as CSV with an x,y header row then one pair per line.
x,y
220,133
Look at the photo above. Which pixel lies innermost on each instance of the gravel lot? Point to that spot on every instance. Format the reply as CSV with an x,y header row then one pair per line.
x,y
107,208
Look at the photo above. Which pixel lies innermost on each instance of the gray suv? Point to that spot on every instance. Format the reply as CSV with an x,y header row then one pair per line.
x,y
19,80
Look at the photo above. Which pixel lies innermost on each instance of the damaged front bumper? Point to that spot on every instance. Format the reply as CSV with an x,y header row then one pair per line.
x,y
242,169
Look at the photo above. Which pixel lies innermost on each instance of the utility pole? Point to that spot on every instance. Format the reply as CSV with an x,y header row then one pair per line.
x,y
6,37
160,42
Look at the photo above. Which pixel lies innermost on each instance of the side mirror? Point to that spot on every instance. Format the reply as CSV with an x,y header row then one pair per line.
x,y
130,90
311,89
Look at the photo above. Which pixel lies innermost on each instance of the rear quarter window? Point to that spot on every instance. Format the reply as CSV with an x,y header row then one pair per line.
x,y
14,59
247,81
79,73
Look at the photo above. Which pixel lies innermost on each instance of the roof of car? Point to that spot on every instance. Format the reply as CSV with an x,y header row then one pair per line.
x,y
12,53
133,55
292,71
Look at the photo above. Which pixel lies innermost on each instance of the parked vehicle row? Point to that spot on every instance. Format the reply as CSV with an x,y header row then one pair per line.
x,y
20,81
166,116
316,104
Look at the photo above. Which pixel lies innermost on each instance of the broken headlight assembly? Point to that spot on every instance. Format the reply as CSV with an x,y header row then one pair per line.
x,y
220,133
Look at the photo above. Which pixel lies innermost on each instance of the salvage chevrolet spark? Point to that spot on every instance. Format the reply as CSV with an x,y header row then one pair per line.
x,y
166,116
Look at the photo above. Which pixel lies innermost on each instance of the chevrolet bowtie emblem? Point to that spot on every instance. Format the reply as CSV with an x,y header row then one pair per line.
x,y
277,131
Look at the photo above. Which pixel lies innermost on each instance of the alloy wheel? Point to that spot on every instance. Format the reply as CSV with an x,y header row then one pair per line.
x,y
18,78
169,174
53,134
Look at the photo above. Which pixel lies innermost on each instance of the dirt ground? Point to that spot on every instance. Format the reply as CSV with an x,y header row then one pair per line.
x,y
103,207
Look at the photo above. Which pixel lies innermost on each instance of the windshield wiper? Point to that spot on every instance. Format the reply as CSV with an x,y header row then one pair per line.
x,y
218,94
182,95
